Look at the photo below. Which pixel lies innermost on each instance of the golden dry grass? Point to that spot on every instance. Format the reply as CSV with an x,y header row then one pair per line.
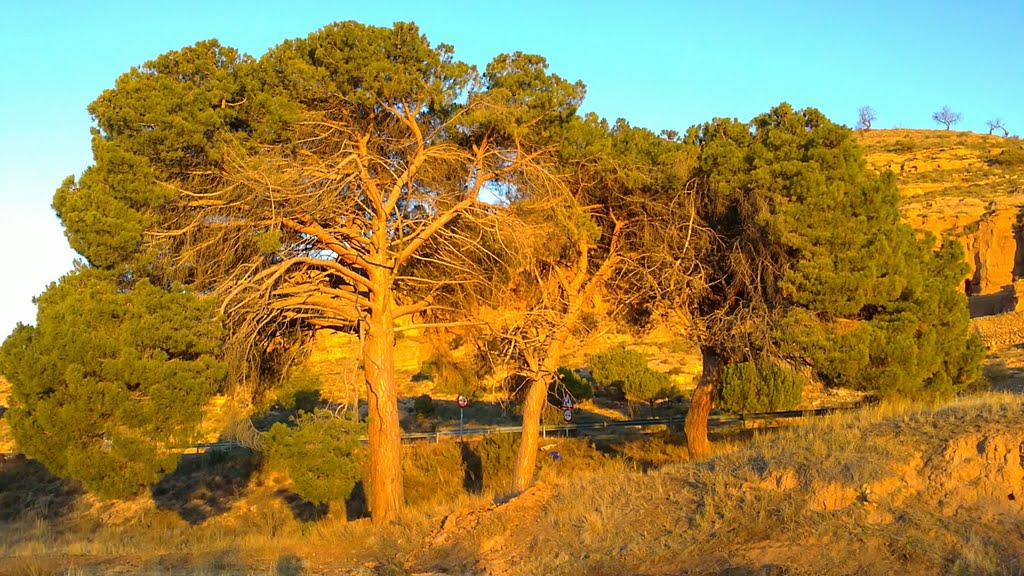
x,y
876,492
891,489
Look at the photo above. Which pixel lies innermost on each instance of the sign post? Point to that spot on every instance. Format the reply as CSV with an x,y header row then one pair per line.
x,y
567,411
462,402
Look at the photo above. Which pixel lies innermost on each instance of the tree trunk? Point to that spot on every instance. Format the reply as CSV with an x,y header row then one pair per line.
x,y
385,495
696,426
526,460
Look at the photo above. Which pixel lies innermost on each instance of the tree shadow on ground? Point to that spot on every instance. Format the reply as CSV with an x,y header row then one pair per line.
x,y
356,505
302,509
473,467
206,485
29,490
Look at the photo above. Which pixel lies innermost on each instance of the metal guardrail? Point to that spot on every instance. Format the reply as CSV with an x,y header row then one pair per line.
x,y
716,421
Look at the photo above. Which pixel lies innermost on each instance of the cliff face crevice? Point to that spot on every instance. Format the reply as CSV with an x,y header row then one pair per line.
x,y
995,251
993,245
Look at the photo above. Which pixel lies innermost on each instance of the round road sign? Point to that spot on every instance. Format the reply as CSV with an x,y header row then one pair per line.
x,y
567,415
463,401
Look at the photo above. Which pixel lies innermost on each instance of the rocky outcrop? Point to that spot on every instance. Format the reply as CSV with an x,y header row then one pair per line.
x,y
994,251
993,247
951,183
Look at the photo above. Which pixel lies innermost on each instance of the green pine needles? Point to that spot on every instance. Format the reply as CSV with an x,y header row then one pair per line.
x,y
751,387
814,265
320,452
112,379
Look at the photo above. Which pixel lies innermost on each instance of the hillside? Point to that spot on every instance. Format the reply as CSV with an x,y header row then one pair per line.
x,y
967,185
917,490
907,492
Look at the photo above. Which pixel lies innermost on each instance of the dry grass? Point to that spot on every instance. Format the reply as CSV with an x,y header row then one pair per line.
x,y
863,493
258,528
890,489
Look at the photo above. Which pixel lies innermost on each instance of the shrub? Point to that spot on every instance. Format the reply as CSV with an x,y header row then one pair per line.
x,y
627,370
300,391
902,145
566,380
497,460
423,406
1009,157
765,386
319,452
450,376
612,367
432,472
111,378
648,386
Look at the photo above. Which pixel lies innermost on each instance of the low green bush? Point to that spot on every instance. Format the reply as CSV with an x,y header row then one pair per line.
x,y
423,406
902,145
749,387
1009,157
497,460
300,391
450,376
432,472
320,453
627,370
566,380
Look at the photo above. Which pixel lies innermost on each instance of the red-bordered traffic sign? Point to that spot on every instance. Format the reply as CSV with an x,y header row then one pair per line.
x,y
462,401
567,415
567,402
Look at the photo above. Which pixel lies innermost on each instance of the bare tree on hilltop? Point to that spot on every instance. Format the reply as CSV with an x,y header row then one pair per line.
x,y
997,124
866,115
947,117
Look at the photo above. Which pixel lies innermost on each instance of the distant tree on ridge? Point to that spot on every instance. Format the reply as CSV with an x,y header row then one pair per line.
x,y
947,117
997,124
866,115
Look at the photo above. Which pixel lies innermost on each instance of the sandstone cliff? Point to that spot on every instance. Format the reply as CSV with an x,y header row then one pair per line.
x,y
953,183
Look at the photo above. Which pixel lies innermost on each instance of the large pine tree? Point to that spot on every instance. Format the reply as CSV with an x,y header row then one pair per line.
x,y
307,189
806,261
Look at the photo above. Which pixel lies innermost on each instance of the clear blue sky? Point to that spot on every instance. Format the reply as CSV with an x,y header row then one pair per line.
x,y
659,64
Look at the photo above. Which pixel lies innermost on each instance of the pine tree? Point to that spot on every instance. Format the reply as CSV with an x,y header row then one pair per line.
x,y
308,189
808,261
111,379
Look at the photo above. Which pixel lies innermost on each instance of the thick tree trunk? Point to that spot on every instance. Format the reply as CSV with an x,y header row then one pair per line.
x,y
385,495
526,460
696,426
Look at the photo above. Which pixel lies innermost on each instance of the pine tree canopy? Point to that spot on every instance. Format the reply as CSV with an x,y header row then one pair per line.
x,y
111,380
809,261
